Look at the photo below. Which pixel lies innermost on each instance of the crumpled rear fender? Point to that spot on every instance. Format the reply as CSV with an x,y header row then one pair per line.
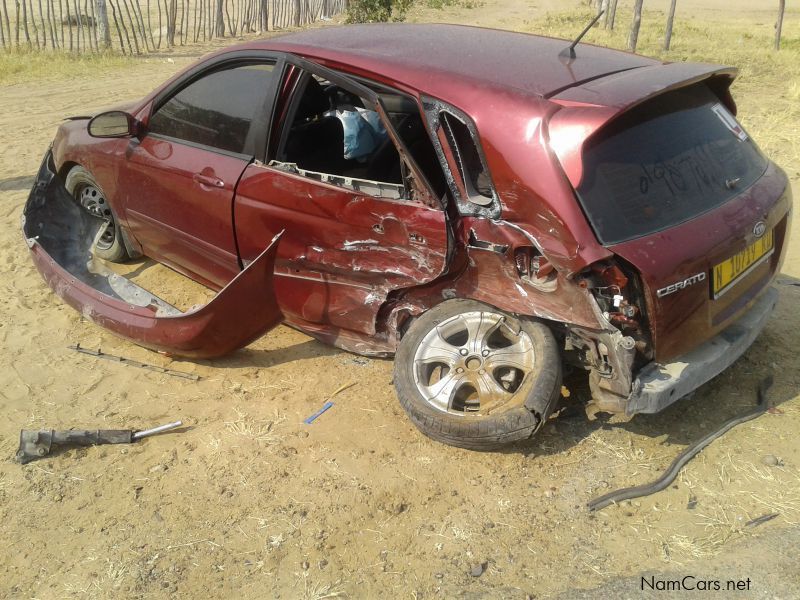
x,y
60,235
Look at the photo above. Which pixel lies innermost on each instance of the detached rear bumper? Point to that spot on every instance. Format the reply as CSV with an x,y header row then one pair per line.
x,y
60,236
659,385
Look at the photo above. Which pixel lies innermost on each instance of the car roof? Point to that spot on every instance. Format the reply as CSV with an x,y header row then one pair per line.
x,y
444,59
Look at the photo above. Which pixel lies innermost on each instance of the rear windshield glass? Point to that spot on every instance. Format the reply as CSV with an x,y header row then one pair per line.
x,y
665,162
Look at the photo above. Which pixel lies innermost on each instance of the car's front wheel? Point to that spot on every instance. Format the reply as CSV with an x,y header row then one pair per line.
x,y
83,187
472,376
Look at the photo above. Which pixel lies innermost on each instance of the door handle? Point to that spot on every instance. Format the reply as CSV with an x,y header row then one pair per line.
x,y
208,180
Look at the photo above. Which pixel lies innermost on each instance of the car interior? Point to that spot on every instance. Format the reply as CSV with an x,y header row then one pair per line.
x,y
316,139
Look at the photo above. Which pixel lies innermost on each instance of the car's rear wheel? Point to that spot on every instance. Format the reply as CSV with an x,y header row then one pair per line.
x,y
472,376
83,187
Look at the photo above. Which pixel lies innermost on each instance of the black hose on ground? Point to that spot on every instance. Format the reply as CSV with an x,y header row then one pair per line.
x,y
684,457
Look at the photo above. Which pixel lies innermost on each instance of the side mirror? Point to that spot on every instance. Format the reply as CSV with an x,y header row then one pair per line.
x,y
112,124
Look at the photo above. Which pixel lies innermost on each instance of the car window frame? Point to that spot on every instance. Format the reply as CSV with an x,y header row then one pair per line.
x,y
459,186
418,188
256,139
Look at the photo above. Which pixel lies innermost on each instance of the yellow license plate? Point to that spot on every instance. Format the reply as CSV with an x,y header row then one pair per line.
x,y
727,272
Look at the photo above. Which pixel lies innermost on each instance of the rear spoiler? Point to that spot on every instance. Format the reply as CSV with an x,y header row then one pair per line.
x,y
589,107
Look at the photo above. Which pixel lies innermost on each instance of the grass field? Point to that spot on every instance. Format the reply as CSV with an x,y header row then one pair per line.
x,y
23,66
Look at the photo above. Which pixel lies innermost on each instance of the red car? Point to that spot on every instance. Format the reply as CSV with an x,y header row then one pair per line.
x,y
481,204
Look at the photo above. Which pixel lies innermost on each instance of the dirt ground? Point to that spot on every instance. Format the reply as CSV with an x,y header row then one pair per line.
x,y
247,501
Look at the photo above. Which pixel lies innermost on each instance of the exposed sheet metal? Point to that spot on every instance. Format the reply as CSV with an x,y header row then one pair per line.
x,y
379,189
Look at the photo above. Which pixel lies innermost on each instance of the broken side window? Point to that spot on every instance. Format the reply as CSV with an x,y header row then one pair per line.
x,y
338,133
351,146
471,168
458,150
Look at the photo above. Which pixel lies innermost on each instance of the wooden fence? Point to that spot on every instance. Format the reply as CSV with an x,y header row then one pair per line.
x,y
140,26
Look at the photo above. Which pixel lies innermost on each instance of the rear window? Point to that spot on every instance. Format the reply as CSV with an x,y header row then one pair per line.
x,y
665,162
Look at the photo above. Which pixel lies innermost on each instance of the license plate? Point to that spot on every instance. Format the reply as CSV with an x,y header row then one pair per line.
x,y
726,273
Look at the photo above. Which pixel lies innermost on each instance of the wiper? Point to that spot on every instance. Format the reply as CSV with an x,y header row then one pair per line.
x,y
569,52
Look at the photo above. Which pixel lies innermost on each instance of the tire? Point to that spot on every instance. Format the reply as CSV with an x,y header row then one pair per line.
x,y
466,408
83,187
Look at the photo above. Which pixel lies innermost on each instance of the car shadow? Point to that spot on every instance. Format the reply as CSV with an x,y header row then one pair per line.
x,y
681,423
262,359
15,184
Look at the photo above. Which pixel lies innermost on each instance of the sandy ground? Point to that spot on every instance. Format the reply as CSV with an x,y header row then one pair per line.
x,y
247,501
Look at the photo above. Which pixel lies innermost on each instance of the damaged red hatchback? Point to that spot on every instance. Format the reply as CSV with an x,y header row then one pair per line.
x,y
478,202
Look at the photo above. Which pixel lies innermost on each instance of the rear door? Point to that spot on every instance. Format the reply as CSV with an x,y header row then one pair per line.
x,y
351,238
179,180
678,189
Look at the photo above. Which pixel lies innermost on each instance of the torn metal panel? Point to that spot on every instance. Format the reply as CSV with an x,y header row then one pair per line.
x,y
344,251
60,235
494,275
378,189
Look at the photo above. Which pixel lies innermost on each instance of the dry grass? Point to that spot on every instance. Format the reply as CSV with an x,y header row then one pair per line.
x,y
259,430
319,591
625,454
730,494
106,585
22,65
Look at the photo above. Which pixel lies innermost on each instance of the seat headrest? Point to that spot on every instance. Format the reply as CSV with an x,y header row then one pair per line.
x,y
313,102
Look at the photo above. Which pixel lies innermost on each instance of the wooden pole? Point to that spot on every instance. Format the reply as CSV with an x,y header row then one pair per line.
x,y
132,24
633,37
122,23
185,21
779,23
143,29
172,9
7,22
44,27
69,24
158,8
25,21
35,28
611,15
670,20
116,25
54,25
88,35
149,26
61,20
95,26
79,31
228,19
219,28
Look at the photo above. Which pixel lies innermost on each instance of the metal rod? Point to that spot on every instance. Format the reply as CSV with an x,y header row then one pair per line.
x,y
134,363
137,435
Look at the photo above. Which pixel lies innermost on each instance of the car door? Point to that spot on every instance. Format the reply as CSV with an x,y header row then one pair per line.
x,y
180,176
349,240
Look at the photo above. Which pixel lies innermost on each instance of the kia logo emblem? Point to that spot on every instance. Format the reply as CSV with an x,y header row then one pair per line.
x,y
759,229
